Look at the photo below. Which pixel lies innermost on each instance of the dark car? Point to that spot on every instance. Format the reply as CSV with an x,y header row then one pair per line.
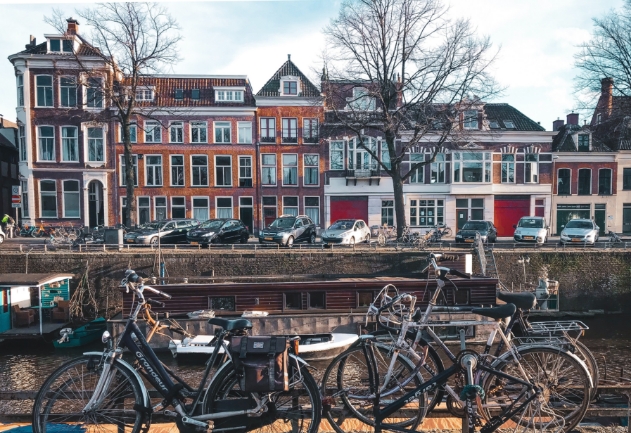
x,y
487,231
171,231
218,231
288,229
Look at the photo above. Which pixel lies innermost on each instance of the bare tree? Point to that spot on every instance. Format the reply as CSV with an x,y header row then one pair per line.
x,y
133,41
412,71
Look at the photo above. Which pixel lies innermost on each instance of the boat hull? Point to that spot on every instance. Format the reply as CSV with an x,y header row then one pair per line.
x,y
86,334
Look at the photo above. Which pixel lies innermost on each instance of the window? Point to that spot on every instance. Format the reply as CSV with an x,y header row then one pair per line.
x,y
310,131
133,133
604,181
195,94
583,142
244,132
290,87
96,149
160,208
68,90
336,155
144,95
69,144
509,124
55,45
472,167
229,95
22,142
71,199
225,303
494,124
222,132
153,170
290,169
626,178
144,210
223,171
417,175
471,119
427,213
584,181
312,209
199,164
153,132
508,168
25,212
176,132
361,100
199,132
317,300
179,94
385,156
200,208
46,143
437,169
94,93
290,130
358,156
531,168
178,207
123,176
312,169
44,90
48,199
564,181
268,162
245,171
293,301
268,130
387,212
20,84
177,170
290,206
224,207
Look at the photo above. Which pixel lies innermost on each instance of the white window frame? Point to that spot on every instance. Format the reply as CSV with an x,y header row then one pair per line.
x,y
311,132
470,119
437,219
89,104
22,143
217,206
155,207
19,79
417,177
173,127
39,144
305,207
48,193
229,94
284,208
171,183
275,170
193,185
152,168
76,143
173,206
342,151
442,164
220,125
222,171
458,162
305,167
199,126
25,193
86,142
245,128
74,79
63,197
193,207
296,183
390,209
361,100
570,182
531,164
154,126
52,92
143,92
508,164
289,79
289,130
245,157
133,126
121,163
144,207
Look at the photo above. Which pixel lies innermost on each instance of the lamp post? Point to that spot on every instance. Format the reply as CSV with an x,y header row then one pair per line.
x,y
522,261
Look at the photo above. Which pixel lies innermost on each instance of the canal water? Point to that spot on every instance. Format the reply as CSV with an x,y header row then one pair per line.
x,y
25,366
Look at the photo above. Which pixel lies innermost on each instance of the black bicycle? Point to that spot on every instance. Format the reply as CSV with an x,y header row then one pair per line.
x,y
101,391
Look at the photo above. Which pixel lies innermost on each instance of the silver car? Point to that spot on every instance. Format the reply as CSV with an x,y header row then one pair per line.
x,y
580,231
346,232
531,229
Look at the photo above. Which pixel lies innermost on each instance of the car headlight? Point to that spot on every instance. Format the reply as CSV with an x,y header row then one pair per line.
x,y
458,235
205,235
563,234
518,232
142,237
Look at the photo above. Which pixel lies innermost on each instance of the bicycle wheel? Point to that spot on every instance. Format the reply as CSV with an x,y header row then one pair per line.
x,y
587,357
446,231
60,403
347,397
563,380
297,410
381,239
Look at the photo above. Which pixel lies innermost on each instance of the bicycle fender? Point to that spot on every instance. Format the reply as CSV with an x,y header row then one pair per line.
x,y
124,364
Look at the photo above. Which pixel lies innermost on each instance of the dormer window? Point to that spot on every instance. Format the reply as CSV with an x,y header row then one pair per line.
x,y
583,142
144,94
60,45
471,119
179,93
290,87
509,124
228,95
361,100
195,94
494,124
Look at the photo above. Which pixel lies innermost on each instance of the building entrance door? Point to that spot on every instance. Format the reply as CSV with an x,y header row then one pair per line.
x,y
600,217
626,218
469,209
95,203
246,212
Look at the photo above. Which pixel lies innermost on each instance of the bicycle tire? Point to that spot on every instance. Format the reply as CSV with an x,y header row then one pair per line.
x,y
303,395
588,358
69,388
564,380
446,232
347,395
381,239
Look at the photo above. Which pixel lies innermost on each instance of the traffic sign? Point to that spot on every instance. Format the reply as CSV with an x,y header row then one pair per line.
x,y
16,205
15,190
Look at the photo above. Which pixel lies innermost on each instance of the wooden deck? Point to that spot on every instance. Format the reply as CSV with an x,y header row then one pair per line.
x,y
29,332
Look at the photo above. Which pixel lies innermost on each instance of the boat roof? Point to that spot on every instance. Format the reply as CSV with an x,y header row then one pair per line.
x,y
31,279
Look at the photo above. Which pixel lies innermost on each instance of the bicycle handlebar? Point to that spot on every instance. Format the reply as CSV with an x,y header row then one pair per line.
x,y
157,292
154,302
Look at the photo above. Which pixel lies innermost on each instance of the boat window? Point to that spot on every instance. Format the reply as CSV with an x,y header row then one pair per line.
x,y
293,301
461,297
364,299
317,300
225,303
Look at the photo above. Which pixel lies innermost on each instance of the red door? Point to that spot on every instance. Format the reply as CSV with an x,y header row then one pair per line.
x,y
349,208
508,210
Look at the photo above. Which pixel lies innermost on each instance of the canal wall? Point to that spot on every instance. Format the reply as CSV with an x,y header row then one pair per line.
x,y
589,279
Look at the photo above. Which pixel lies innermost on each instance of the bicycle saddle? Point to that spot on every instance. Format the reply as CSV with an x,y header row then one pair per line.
x,y
231,325
523,301
496,312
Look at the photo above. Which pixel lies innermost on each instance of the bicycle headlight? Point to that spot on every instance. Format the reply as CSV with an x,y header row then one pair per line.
x,y
106,337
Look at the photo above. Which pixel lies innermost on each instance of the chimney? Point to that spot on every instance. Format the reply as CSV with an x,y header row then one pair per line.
x,y
557,124
572,119
289,57
606,96
73,26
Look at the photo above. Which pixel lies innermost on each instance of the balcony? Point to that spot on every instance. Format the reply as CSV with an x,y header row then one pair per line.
x,y
268,140
368,174
310,140
290,140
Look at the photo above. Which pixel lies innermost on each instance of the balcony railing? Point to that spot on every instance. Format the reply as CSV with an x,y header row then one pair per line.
x,y
245,183
268,139
369,173
290,140
310,140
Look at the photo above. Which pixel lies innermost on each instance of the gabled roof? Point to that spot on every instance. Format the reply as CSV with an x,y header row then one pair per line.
x,y
564,140
307,88
501,113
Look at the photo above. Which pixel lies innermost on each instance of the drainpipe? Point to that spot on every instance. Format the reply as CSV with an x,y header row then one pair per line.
x,y
258,205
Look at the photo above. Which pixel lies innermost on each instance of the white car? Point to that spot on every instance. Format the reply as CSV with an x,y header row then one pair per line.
x,y
580,231
2,236
346,232
531,229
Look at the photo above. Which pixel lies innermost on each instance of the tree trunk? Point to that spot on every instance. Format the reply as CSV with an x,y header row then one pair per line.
x,y
130,208
399,203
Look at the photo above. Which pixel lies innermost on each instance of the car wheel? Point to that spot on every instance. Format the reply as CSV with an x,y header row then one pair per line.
x,y
244,239
368,238
154,240
351,242
312,238
290,242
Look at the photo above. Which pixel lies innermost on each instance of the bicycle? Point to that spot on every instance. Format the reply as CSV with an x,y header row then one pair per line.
x,y
102,391
614,238
437,233
385,233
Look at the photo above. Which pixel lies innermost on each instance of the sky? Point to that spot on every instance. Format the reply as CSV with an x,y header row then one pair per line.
x,y
537,41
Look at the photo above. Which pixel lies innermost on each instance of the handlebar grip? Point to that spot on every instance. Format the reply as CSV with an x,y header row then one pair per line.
x,y
394,301
177,330
459,274
158,292
156,303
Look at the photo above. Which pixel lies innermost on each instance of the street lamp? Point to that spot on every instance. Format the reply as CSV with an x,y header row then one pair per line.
x,y
522,261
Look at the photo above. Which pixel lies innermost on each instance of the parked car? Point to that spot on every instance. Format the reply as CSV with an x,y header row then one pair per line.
x,y
288,229
166,231
346,232
487,231
2,236
531,229
580,230
218,231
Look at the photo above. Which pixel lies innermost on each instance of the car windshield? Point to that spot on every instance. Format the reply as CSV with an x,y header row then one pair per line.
x,y
574,224
150,226
283,223
212,224
474,226
531,223
342,225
